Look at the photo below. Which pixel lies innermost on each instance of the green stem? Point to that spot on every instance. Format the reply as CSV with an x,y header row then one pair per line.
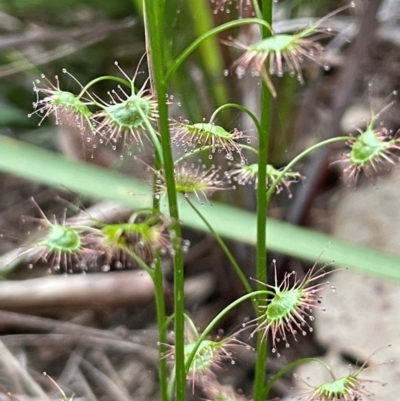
x,y
170,389
271,189
104,78
158,281
286,369
158,278
154,19
182,57
241,108
140,262
235,265
153,134
262,206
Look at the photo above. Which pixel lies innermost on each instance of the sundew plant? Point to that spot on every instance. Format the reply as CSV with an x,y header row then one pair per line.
x,y
190,162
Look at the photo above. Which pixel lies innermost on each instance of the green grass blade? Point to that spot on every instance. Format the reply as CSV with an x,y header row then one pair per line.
x,y
50,168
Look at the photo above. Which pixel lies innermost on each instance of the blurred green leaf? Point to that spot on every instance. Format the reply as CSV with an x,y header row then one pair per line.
x,y
10,115
50,168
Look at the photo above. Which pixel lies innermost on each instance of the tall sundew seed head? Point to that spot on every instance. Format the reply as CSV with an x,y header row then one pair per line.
x,y
289,311
58,102
207,134
284,52
210,355
142,238
204,358
61,238
244,174
203,361
346,388
371,151
247,174
198,180
63,247
126,117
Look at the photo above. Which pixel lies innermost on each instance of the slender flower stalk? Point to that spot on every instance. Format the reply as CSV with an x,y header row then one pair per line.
x,y
346,388
262,207
226,250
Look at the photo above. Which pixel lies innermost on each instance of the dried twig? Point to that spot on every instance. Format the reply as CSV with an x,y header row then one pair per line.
x,y
88,291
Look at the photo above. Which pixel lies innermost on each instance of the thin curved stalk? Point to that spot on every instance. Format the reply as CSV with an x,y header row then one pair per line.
x,y
229,255
154,136
216,319
140,262
104,78
286,369
293,162
239,107
182,57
